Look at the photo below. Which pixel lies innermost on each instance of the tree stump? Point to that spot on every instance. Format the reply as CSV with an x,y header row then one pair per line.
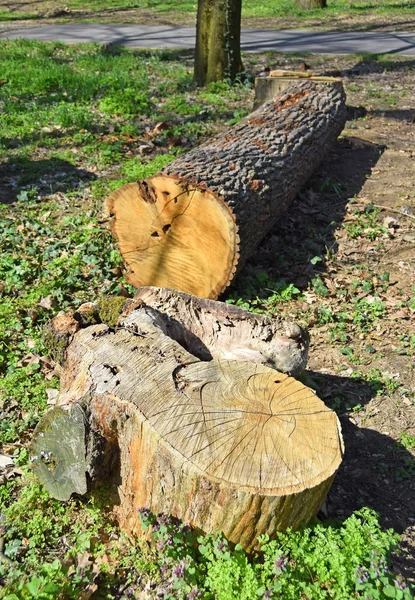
x,y
311,4
191,226
224,445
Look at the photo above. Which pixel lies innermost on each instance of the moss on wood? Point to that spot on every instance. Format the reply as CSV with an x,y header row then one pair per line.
x,y
110,308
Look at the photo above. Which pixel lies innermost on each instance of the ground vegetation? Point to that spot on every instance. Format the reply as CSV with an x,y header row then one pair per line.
x,y
79,121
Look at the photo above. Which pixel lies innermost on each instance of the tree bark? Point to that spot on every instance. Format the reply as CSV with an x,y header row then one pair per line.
x,y
224,445
218,35
190,227
275,84
311,4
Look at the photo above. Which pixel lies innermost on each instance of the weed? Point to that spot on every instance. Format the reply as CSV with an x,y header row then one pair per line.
x,y
319,287
135,168
407,470
330,186
125,102
262,294
381,383
23,389
322,561
407,441
366,224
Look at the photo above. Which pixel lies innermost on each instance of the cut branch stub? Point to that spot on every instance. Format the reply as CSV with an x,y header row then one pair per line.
x,y
58,452
180,228
162,225
224,445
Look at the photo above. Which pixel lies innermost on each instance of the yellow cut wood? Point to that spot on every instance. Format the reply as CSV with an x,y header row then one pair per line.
x,y
174,235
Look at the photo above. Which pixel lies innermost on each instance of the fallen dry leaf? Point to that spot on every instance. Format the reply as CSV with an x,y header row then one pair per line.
x,y
28,359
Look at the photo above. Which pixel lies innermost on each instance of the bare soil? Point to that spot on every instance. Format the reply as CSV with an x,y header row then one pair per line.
x,y
373,163
49,12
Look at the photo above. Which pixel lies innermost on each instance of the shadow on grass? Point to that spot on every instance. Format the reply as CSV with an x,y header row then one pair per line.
x,y
380,5
166,55
376,471
307,230
373,63
48,176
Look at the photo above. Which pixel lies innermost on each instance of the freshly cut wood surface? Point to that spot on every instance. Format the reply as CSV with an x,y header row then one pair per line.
x,y
175,234
180,229
223,445
275,84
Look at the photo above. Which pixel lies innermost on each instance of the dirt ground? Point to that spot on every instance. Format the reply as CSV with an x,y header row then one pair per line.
x,y
49,12
374,163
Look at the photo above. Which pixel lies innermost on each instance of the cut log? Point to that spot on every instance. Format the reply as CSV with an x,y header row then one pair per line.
x,y
311,4
190,227
224,445
205,328
209,329
275,84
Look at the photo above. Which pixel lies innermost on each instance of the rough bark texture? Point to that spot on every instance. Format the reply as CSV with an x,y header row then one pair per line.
x,y
218,34
209,329
261,163
224,445
255,170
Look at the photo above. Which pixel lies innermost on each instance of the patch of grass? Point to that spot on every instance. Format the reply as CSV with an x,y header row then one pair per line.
x,y
261,294
23,390
251,9
136,168
407,441
8,15
44,567
332,560
366,224
381,383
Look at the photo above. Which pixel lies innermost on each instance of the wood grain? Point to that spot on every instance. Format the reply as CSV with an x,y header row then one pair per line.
x,y
228,445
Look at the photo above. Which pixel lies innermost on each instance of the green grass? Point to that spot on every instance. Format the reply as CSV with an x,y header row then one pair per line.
x,y
74,122
251,9
68,111
336,561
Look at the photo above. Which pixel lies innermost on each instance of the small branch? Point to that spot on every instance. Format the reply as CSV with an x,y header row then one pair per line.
x,y
381,207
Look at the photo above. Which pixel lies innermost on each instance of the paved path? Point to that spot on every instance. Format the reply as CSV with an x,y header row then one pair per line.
x,y
259,40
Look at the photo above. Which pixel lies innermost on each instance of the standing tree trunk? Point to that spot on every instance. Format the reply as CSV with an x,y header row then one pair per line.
x,y
218,34
311,4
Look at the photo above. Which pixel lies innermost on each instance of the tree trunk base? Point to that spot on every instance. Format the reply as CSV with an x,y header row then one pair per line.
x,y
224,445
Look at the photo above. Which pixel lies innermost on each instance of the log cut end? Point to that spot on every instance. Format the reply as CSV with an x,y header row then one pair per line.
x,y
176,235
246,426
